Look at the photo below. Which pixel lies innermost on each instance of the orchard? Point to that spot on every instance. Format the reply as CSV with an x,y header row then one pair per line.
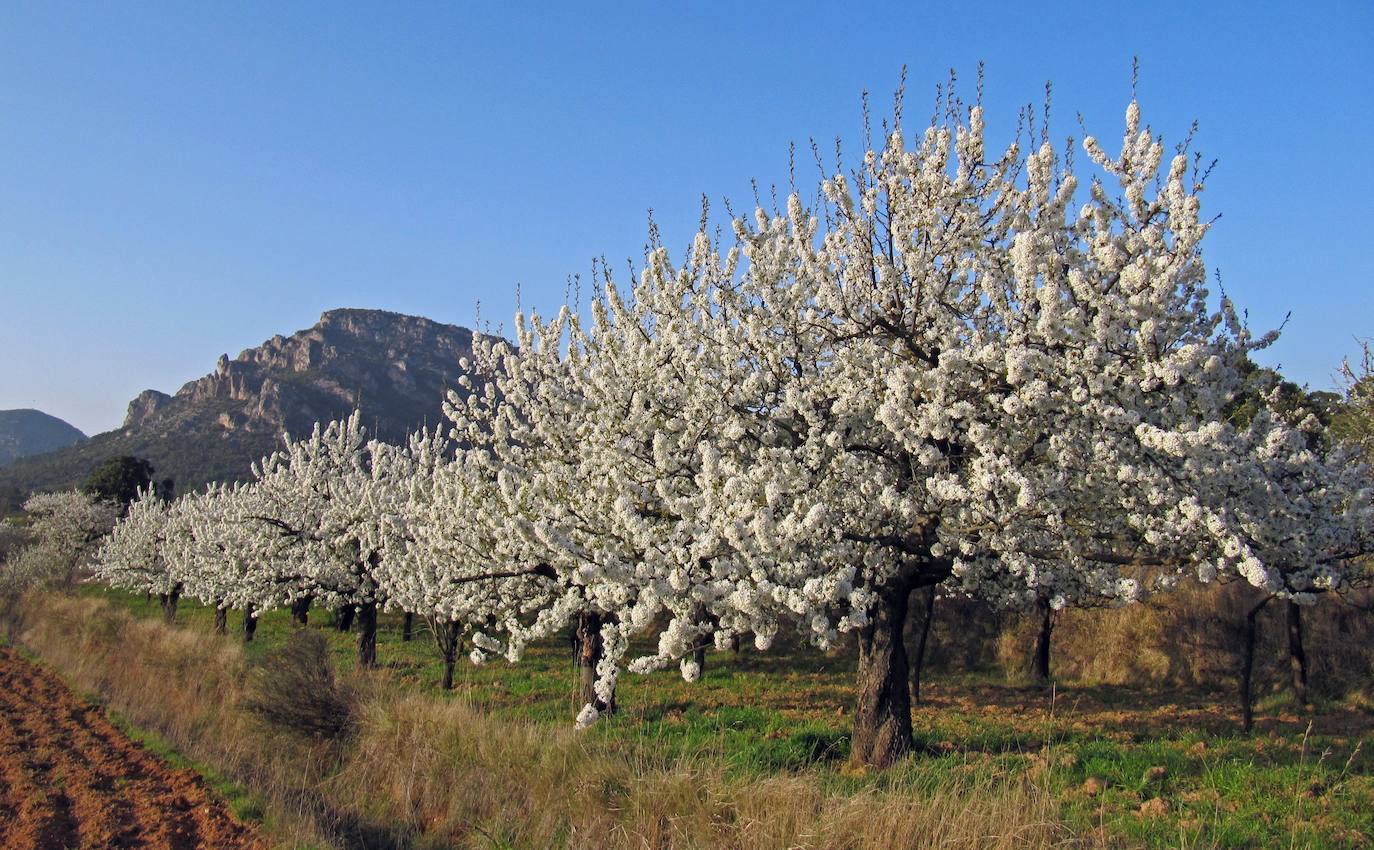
x,y
984,369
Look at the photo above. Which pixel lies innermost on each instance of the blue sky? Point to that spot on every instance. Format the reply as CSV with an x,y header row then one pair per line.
x,y
185,179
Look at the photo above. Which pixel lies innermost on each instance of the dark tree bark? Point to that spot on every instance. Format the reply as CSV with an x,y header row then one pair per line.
x,y
344,617
1297,655
734,644
449,639
407,626
221,620
169,604
919,659
300,612
699,650
588,653
1040,668
250,626
367,635
1247,666
882,715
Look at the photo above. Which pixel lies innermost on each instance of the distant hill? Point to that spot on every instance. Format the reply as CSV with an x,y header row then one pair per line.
x,y
394,368
32,432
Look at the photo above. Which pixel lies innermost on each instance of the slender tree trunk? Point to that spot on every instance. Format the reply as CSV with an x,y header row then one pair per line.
x,y
919,660
1297,655
407,626
1041,667
169,604
449,640
344,617
221,620
734,644
588,649
882,715
367,634
300,612
1247,667
250,626
699,650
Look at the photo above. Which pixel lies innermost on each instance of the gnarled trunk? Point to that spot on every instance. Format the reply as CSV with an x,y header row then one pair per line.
x,y
882,714
367,634
343,618
221,620
250,626
1040,668
919,659
407,626
1297,655
587,650
300,612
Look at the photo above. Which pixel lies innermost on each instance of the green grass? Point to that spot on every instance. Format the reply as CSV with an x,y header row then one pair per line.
x,y
789,710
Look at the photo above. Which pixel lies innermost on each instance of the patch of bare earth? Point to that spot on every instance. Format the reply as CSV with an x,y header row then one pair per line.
x,y
70,779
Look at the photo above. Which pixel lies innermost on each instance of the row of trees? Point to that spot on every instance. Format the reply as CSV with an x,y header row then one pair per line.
x,y
958,367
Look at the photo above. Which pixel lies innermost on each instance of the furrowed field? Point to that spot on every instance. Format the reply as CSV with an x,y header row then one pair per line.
x,y
755,754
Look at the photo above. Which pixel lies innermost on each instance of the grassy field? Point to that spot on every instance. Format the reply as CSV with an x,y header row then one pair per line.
x,y
1107,766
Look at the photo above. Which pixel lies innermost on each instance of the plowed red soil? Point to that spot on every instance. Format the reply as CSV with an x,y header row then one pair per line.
x,y
70,779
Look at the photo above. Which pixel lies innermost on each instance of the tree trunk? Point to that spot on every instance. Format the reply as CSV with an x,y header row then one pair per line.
x,y
300,612
367,635
882,714
918,662
344,617
407,626
1247,667
221,620
734,644
1297,655
588,651
169,604
250,626
699,650
449,642
1041,667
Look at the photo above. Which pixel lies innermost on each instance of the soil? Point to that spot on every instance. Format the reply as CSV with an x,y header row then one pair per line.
x,y
70,779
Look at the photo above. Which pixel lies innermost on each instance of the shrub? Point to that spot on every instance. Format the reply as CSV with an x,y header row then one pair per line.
x,y
294,689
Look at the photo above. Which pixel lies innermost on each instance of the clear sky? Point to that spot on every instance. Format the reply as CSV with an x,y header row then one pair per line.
x,y
181,180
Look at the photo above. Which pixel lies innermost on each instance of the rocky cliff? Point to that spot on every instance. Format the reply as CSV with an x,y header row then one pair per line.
x,y
392,367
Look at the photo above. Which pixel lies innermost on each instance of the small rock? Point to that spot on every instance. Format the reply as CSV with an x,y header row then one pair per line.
x,y
1158,773
1154,808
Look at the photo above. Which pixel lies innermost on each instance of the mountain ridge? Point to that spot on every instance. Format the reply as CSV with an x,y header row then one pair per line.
x,y
26,431
392,367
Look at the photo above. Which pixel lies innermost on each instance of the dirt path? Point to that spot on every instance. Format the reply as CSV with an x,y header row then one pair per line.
x,y
70,779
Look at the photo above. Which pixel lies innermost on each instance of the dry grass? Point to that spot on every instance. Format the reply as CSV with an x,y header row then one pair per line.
x,y
1194,637
466,778
423,770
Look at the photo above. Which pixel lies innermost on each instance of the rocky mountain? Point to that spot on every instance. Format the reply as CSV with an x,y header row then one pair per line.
x,y
394,368
32,432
